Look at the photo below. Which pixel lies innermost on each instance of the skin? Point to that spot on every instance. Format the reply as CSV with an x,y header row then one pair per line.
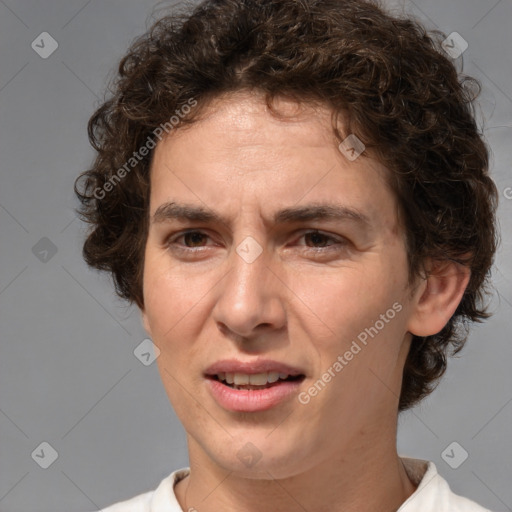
x,y
302,301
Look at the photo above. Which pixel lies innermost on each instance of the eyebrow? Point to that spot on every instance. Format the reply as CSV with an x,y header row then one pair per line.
x,y
311,212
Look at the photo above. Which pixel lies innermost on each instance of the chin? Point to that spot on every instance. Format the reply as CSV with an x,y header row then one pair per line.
x,y
263,458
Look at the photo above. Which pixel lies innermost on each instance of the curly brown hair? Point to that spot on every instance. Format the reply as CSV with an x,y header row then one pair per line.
x,y
386,74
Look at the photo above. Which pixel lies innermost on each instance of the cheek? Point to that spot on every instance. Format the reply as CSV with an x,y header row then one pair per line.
x,y
169,299
359,315
348,300
174,311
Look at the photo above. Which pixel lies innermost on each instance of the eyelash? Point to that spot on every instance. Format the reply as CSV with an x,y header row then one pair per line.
x,y
171,241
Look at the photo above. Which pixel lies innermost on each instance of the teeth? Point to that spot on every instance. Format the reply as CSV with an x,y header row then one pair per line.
x,y
274,376
241,379
257,379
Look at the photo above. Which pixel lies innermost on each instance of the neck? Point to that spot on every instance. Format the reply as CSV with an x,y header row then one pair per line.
x,y
357,478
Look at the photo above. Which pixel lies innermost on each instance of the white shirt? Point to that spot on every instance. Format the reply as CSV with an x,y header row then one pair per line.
x,y
433,493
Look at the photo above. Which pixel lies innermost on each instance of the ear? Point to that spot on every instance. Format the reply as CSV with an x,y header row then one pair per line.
x,y
437,297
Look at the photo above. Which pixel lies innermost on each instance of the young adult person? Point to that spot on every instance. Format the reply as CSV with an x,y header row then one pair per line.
x,y
296,196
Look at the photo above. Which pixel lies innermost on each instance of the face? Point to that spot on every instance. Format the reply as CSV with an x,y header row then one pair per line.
x,y
269,249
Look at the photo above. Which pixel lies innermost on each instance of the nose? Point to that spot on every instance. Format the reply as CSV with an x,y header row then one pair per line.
x,y
251,297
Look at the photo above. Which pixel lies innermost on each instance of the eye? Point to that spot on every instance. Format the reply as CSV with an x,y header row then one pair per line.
x,y
319,241
191,240
195,241
194,237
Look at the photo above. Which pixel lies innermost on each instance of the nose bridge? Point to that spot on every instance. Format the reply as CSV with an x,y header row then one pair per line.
x,y
249,295
247,283
248,259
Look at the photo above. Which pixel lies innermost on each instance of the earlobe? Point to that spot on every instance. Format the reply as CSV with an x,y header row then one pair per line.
x,y
438,297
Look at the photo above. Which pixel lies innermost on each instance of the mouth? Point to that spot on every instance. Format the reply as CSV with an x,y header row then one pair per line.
x,y
256,381
252,386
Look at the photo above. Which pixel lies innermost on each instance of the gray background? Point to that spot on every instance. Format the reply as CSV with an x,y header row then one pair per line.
x,y
68,374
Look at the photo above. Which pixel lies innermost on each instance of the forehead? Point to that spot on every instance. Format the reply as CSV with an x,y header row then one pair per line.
x,y
245,119
244,155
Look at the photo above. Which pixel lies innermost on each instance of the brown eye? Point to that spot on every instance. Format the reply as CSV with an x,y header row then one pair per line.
x,y
188,242
194,238
318,239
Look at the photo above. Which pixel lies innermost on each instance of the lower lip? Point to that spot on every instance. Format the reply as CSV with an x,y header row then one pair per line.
x,y
252,400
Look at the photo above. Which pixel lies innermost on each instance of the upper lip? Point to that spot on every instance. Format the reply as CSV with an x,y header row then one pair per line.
x,y
251,367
